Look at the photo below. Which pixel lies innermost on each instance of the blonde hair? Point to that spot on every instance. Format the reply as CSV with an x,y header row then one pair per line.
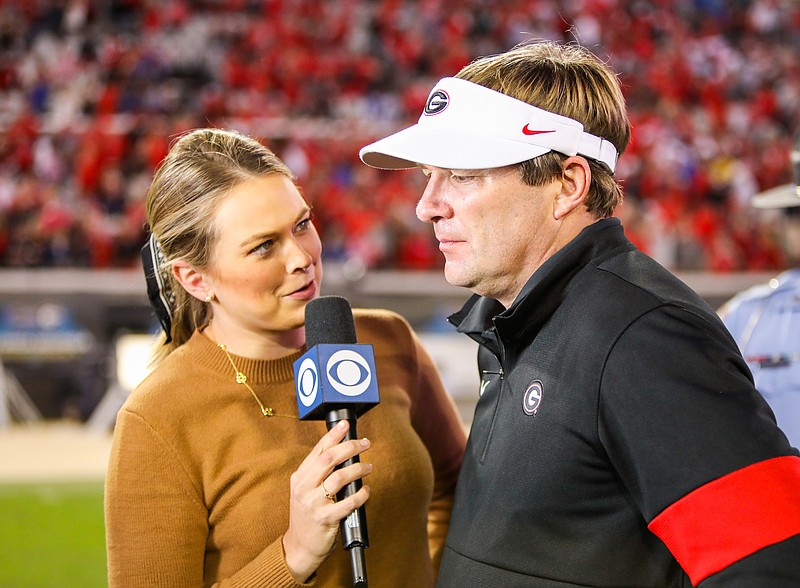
x,y
190,184
569,80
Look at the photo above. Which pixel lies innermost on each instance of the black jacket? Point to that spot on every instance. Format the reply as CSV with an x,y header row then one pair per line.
x,y
618,429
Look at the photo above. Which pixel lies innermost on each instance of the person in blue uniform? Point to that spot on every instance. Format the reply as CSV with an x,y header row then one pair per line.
x,y
765,321
619,439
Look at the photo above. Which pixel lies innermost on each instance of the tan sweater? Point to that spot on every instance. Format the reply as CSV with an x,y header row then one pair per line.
x,y
197,492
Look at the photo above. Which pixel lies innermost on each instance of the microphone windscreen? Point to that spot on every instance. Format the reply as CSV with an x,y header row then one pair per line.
x,y
329,320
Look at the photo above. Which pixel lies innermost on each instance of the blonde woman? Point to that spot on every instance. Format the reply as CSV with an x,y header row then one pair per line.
x,y
213,480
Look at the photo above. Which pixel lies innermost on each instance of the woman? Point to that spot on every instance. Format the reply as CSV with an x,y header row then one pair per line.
x,y
213,480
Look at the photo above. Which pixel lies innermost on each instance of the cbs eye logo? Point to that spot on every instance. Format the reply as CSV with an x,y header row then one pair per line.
x,y
348,373
307,382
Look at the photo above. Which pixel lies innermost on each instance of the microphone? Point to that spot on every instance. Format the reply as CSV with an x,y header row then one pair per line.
x,y
335,380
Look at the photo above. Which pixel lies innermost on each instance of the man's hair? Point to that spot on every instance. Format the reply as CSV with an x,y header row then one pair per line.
x,y
569,80
191,183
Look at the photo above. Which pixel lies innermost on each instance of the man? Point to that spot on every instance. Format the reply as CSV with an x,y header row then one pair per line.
x,y
765,321
619,440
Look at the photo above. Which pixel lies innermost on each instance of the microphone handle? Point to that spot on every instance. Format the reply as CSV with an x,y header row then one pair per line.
x,y
359,565
353,527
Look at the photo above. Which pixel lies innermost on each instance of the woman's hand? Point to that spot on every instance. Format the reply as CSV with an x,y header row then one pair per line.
x,y
313,516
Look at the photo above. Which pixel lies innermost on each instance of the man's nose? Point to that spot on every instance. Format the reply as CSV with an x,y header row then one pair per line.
x,y
432,205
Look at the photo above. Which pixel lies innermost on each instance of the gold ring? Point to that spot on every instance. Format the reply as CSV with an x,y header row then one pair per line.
x,y
328,495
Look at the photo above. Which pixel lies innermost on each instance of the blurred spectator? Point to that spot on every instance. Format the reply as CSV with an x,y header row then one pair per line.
x,y
89,90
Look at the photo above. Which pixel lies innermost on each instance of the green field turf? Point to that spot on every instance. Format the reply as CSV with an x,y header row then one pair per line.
x,y
52,536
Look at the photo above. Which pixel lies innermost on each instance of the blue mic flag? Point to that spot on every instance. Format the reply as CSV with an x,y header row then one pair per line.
x,y
328,376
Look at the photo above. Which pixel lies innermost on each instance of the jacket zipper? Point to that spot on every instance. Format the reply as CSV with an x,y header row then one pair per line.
x,y
498,372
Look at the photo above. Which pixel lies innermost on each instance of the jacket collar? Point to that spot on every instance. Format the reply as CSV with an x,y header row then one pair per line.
x,y
545,289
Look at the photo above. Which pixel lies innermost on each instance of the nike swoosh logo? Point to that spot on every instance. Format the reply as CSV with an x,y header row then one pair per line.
x,y
528,131
483,387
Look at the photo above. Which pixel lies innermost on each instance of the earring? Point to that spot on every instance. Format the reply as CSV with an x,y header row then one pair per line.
x,y
209,297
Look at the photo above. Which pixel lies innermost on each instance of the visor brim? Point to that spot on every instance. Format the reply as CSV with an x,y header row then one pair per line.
x,y
446,148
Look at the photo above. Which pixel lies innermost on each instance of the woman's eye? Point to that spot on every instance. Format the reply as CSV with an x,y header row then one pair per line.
x,y
304,224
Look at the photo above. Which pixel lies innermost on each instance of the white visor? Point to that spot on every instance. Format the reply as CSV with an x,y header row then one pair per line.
x,y
468,126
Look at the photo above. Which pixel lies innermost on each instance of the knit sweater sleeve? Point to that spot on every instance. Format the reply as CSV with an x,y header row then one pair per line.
x,y
268,570
437,422
156,523
433,413
155,520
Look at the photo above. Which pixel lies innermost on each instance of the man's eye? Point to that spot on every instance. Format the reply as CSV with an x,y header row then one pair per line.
x,y
461,178
264,248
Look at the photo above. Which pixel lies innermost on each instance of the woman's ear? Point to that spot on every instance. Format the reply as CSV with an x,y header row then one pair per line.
x,y
193,281
575,181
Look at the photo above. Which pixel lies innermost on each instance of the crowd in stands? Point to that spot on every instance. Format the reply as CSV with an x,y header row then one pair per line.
x,y
93,91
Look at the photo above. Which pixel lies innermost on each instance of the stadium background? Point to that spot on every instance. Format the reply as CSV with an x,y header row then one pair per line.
x,y
93,91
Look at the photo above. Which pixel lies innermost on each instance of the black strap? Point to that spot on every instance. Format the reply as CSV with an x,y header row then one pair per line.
x,y
159,292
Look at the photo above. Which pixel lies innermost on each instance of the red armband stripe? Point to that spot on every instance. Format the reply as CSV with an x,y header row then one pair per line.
x,y
732,517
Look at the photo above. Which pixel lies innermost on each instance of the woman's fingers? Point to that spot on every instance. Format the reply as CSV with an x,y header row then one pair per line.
x,y
330,439
344,476
328,454
341,452
341,509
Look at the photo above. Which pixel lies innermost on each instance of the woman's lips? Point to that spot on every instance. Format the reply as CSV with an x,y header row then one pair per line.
x,y
306,292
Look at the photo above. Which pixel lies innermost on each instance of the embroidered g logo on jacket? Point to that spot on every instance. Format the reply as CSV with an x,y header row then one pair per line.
x,y
532,398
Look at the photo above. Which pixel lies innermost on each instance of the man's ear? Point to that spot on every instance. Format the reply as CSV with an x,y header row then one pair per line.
x,y
575,181
193,281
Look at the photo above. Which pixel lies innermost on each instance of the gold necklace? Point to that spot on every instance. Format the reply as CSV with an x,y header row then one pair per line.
x,y
242,379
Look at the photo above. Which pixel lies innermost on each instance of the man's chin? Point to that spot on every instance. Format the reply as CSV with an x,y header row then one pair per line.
x,y
456,276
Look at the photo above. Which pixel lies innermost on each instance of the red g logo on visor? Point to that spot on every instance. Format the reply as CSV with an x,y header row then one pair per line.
x,y
437,102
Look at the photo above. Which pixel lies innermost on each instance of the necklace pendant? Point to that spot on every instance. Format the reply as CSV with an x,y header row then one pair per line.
x,y
242,379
